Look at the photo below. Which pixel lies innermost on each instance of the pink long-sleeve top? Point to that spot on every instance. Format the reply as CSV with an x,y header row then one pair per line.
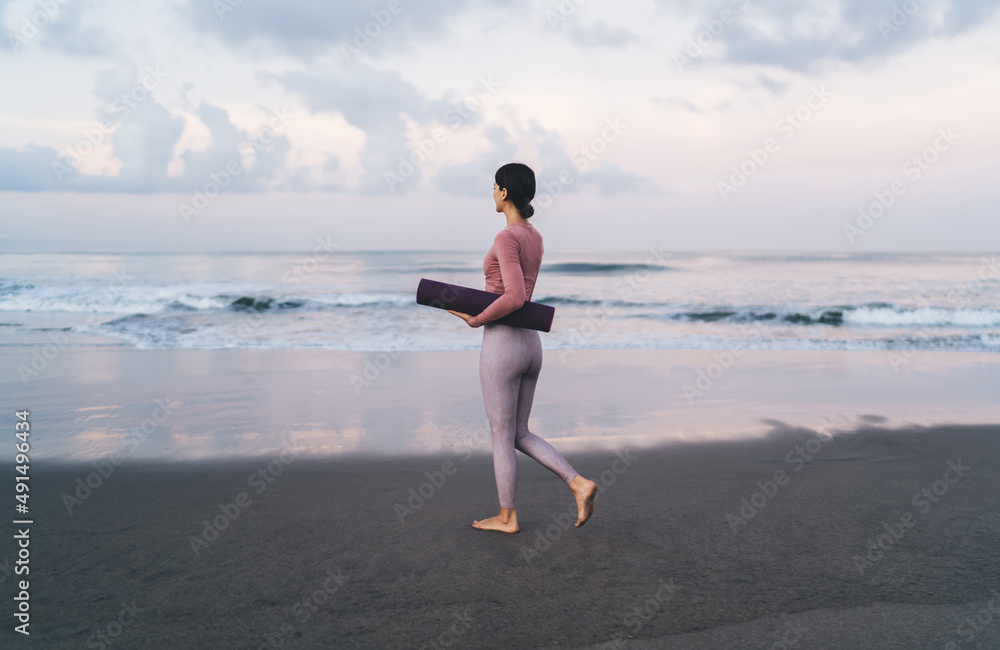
x,y
511,267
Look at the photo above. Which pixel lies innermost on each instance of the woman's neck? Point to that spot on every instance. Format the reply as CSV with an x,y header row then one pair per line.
x,y
513,216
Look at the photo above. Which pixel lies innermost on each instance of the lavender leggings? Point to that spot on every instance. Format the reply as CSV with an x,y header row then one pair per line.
x,y
509,363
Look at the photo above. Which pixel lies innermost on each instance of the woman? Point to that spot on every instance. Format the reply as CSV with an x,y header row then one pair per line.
x,y
511,357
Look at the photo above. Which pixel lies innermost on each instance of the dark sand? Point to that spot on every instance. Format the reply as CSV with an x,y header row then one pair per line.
x,y
659,539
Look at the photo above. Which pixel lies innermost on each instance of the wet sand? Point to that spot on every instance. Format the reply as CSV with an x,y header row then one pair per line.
x,y
223,404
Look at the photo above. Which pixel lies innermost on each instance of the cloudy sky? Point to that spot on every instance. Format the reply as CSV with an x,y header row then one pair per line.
x,y
857,125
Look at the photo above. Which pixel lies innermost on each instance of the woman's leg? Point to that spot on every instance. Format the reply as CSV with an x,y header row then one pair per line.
x,y
527,442
584,490
502,361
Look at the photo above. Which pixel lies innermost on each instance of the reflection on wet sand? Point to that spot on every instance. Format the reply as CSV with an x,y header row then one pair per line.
x,y
175,405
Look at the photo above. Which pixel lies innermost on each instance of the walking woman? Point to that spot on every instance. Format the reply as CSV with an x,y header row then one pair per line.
x,y
511,357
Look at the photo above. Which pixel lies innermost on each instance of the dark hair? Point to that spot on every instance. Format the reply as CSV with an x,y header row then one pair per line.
x,y
520,183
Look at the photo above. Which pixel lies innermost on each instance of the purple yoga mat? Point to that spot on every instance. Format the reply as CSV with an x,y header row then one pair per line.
x,y
531,315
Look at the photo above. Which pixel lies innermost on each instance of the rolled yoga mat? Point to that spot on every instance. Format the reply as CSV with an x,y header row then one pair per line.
x,y
531,315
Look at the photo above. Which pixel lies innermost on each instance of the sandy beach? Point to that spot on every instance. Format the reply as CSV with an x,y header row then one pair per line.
x,y
280,508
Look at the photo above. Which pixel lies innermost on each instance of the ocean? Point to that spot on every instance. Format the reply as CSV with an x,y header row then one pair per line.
x,y
340,300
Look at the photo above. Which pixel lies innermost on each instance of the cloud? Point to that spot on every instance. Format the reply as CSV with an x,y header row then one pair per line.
x,y
141,131
680,102
144,135
375,101
144,143
610,178
259,159
27,170
475,177
554,165
777,88
309,28
600,34
560,172
807,36
64,27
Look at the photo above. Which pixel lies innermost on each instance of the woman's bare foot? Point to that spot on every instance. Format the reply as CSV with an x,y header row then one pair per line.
x,y
505,522
584,491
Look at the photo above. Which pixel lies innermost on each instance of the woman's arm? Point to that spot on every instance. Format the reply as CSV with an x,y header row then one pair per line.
x,y
509,257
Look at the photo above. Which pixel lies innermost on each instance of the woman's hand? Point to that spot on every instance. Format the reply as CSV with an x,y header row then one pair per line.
x,y
465,317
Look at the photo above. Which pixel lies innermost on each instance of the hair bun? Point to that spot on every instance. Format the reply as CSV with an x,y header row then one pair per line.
x,y
519,181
